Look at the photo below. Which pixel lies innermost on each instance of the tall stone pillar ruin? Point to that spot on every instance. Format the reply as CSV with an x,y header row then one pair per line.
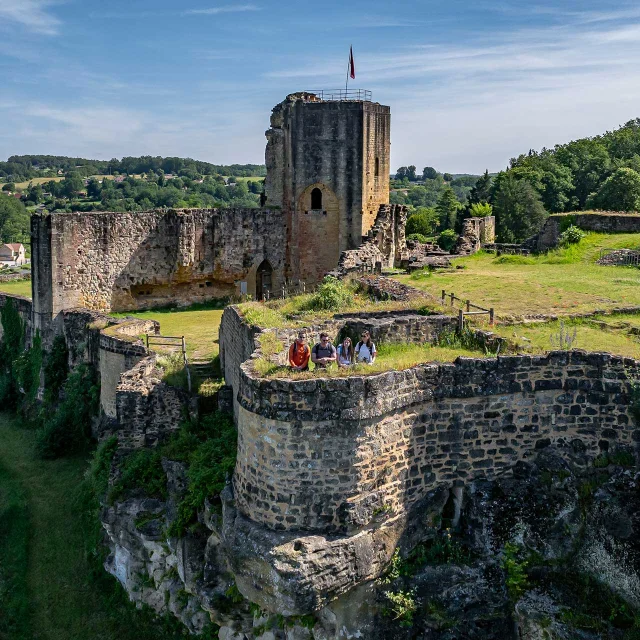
x,y
328,168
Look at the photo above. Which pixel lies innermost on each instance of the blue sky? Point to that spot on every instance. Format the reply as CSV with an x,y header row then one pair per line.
x,y
470,84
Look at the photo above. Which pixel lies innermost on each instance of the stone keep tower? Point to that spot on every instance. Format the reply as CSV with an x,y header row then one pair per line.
x,y
328,169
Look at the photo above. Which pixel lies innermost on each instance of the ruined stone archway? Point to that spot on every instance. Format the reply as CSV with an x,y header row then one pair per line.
x,y
264,280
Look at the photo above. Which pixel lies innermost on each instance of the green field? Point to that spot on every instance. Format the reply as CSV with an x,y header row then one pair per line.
x,y
562,282
52,586
589,335
17,288
199,324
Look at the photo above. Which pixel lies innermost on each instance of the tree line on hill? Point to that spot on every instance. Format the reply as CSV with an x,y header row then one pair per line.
x,y
152,191
27,167
602,172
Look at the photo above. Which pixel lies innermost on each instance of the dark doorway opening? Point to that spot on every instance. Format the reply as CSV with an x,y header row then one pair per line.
x,y
264,280
316,199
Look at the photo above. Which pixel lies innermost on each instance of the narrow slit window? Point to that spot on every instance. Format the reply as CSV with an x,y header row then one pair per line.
x,y
377,167
316,199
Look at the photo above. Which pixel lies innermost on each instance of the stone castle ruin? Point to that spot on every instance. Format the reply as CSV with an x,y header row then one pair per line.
x,y
332,474
326,191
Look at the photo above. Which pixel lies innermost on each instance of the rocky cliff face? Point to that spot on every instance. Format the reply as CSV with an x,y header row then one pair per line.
x,y
549,549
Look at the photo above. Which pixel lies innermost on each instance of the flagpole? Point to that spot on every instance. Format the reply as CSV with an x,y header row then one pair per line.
x,y
346,84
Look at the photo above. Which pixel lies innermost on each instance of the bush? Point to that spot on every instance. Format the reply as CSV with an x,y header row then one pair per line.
x,y
423,221
332,295
56,368
418,237
480,210
447,239
211,462
68,429
141,469
572,235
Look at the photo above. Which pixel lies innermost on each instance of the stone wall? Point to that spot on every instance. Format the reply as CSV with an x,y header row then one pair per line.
x,y
119,261
599,221
24,307
384,246
476,232
327,454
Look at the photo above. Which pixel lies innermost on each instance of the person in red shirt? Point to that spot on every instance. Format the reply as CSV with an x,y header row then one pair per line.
x,y
299,353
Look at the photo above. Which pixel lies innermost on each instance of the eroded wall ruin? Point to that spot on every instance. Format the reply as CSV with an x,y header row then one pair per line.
x,y
122,261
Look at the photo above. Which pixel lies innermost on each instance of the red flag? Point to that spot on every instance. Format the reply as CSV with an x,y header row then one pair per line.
x,y
352,65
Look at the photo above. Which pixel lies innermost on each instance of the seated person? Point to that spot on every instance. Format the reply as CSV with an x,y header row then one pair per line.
x,y
365,349
323,353
345,353
299,353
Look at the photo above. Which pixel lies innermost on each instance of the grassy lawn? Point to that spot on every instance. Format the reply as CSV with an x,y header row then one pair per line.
x,y
537,338
562,282
17,288
51,588
200,324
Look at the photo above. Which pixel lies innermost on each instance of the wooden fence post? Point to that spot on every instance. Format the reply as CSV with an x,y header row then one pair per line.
x,y
452,298
444,295
491,315
468,305
460,320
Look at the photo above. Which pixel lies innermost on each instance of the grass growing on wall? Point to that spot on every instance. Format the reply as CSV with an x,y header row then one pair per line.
x,y
561,282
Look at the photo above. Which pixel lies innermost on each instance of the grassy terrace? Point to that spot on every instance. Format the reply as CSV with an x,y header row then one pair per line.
x,y
17,288
199,324
561,282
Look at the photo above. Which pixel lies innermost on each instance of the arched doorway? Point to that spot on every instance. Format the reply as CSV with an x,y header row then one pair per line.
x,y
264,280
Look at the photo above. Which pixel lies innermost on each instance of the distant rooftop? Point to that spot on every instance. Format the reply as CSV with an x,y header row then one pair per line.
x,y
359,95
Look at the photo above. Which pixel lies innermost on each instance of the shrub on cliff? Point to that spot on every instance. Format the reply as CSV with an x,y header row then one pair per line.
x,y
67,428
332,295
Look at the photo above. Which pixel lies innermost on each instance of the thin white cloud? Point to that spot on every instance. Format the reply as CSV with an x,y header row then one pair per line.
x,y
232,8
32,14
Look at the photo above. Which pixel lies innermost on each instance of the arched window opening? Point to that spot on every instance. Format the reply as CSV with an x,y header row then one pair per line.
x,y
263,280
377,168
316,199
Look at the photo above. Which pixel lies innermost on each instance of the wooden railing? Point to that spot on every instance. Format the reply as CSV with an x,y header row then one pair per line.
x,y
175,344
466,310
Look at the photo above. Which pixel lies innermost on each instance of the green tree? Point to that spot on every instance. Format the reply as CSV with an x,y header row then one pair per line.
x,y
429,173
94,190
447,177
424,221
14,219
518,208
411,173
481,191
619,192
480,210
34,193
447,209
72,184
9,186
